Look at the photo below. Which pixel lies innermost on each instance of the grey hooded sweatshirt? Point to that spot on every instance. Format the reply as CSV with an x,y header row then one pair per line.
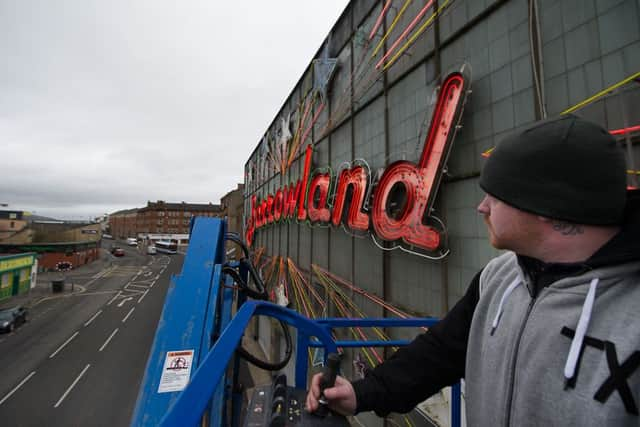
x,y
568,356
537,344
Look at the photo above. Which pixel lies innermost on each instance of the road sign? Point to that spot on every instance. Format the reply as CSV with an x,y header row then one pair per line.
x,y
64,266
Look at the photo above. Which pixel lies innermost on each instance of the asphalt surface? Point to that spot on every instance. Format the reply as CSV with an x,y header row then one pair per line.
x,y
80,358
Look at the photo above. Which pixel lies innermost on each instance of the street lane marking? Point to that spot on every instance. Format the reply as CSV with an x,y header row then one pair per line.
x,y
63,344
128,314
94,316
124,300
72,386
143,295
137,286
17,387
108,339
97,276
114,298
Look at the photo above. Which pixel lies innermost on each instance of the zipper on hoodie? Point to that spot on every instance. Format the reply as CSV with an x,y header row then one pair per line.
x,y
514,360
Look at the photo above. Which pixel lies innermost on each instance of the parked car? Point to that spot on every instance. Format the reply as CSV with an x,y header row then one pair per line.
x,y
117,251
151,250
107,236
11,318
132,241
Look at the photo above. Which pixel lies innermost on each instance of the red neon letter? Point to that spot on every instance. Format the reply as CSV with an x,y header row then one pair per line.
x,y
357,177
278,204
262,213
319,213
302,214
421,180
269,209
291,198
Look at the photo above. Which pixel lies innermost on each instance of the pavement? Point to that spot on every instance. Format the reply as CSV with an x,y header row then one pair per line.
x,y
44,290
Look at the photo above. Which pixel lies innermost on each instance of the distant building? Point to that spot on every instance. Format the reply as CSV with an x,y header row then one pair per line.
x,y
11,223
233,205
160,218
52,240
16,274
123,224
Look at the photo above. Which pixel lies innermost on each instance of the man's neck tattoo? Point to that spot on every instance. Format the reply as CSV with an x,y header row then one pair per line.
x,y
567,229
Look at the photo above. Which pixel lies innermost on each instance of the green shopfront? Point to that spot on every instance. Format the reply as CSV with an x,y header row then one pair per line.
x,y
15,274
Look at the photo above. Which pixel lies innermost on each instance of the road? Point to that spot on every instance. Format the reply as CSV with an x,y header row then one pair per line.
x,y
80,359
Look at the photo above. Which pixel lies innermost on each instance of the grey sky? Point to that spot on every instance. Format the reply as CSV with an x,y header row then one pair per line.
x,y
107,104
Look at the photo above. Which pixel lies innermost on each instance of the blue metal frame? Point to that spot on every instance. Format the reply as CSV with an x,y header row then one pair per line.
x,y
190,405
188,320
197,315
193,400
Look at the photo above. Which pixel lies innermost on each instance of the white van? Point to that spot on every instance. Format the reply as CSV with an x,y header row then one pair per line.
x,y
131,241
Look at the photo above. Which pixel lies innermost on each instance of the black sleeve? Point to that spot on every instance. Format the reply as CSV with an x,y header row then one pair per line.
x,y
435,359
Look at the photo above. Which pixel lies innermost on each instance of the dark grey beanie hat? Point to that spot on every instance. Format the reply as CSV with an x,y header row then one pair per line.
x,y
563,168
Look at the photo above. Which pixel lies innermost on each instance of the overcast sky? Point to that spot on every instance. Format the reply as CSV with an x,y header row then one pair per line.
x,y
105,105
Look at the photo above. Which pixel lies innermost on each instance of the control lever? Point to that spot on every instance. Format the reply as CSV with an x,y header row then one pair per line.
x,y
327,381
278,401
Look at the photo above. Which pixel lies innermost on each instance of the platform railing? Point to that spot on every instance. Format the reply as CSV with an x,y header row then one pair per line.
x,y
198,318
194,399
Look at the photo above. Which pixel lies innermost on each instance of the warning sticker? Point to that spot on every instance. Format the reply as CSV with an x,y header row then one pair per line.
x,y
176,371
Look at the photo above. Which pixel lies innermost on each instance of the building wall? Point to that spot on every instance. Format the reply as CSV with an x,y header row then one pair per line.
x,y
586,47
51,233
123,224
9,227
15,274
233,205
584,50
48,261
159,217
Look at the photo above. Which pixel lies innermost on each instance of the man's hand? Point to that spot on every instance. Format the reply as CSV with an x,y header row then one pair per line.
x,y
341,397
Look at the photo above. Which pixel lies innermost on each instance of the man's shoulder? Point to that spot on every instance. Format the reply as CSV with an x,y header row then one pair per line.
x,y
499,268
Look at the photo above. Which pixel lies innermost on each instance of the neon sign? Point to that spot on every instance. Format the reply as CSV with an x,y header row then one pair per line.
x,y
308,198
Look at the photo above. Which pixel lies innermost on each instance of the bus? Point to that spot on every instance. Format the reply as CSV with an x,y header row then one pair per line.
x,y
166,247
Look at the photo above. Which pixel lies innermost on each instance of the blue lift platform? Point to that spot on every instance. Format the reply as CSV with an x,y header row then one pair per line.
x,y
192,371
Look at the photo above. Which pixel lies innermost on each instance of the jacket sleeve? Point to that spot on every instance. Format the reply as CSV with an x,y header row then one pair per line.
x,y
435,359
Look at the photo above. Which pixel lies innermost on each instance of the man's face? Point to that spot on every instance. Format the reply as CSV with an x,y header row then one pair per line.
x,y
508,227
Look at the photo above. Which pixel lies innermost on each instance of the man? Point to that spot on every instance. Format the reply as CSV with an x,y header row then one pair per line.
x,y
549,332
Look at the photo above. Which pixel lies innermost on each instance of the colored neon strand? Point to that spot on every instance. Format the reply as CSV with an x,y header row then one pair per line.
x,y
601,94
327,283
354,307
416,35
614,132
405,32
385,9
295,146
364,293
369,296
313,122
296,272
625,131
297,286
356,332
391,27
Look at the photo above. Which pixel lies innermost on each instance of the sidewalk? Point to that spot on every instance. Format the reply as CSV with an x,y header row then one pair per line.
x,y
44,289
